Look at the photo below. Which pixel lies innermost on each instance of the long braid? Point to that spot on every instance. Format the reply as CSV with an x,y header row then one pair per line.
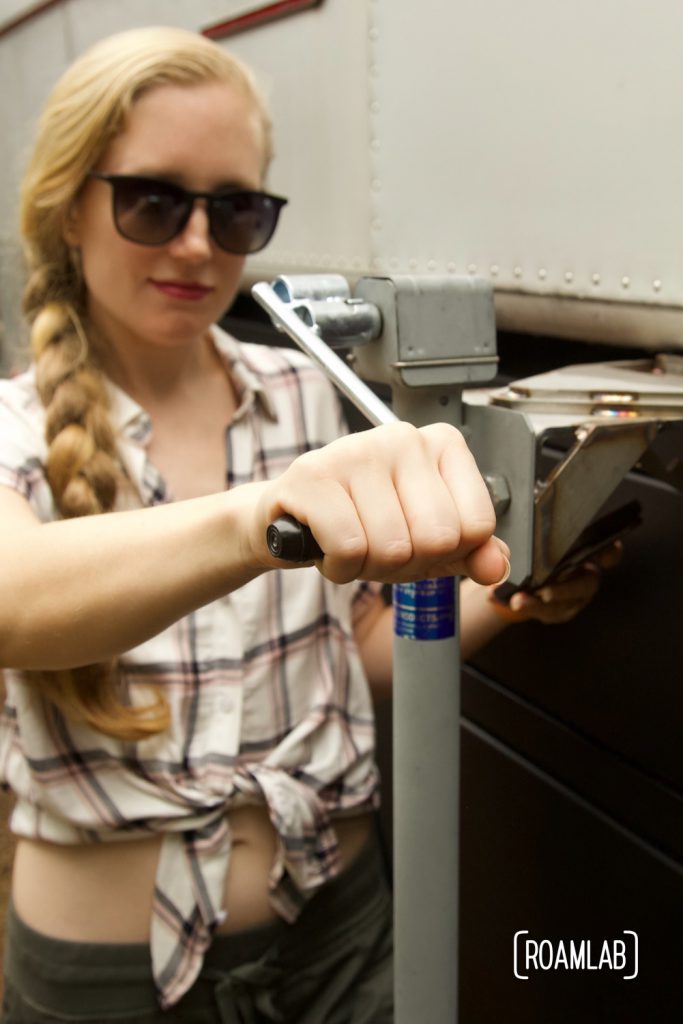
x,y
86,110
82,465
83,471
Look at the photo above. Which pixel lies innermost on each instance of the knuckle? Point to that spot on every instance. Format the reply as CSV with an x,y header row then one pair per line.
x,y
445,433
308,466
477,529
338,574
398,436
404,429
394,553
352,548
440,542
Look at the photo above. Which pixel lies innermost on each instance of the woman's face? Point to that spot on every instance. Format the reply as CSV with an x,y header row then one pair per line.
x,y
202,137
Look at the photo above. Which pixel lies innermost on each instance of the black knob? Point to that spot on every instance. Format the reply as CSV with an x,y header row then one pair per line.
x,y
290,540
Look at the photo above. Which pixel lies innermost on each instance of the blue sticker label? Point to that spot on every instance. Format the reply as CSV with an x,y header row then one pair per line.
x,y
425,610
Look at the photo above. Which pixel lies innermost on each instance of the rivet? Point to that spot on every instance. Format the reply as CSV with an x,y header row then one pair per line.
x,y
374,107
374,145
377,224
657,285
569,277
543,273
374,33
495,270
517,271
376,185
626,282
431,265
412,264
471,268
595,278
451,268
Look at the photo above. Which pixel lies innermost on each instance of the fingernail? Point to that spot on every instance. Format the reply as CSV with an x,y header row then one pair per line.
x,y
503,547
506,573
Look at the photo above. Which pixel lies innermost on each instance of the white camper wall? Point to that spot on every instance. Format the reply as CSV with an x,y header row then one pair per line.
x,y
547,140
537,144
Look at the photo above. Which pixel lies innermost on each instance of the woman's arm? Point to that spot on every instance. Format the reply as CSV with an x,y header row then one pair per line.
x,y
393,503
83,590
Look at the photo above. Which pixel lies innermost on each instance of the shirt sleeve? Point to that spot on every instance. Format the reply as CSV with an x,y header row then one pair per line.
x,y
22,446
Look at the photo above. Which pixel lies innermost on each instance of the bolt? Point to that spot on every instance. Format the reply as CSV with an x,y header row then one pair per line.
x,y
499,491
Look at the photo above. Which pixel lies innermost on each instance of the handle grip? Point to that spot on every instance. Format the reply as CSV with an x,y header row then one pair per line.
x,y
290,540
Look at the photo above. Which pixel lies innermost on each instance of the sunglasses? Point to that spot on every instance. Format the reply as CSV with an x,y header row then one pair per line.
x,y
152,212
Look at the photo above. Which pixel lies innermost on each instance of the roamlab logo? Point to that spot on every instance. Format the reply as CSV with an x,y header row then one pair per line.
x,y
615,956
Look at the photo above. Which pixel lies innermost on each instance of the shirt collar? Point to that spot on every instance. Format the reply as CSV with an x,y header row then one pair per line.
x,y
248,384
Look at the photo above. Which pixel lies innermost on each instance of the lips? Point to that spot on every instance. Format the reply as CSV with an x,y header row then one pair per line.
x,y
190,291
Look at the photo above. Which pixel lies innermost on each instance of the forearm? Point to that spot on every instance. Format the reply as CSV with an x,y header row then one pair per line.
x,y
479,622
82,590
374,636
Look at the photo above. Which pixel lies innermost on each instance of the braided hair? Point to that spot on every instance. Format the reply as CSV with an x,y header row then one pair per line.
x,y
85,111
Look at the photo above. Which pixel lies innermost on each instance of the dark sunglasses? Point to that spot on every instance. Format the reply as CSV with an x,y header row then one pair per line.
x,y
152,212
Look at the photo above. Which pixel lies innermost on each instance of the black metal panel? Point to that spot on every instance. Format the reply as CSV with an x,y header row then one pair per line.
x,y
536,858
615,674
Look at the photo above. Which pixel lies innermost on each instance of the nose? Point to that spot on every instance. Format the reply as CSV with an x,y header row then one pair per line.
x,y
194,241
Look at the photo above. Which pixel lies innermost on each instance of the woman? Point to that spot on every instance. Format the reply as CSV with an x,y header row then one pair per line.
x,y
188,728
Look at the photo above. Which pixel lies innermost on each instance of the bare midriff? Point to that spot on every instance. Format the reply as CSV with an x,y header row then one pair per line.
x,y
104,892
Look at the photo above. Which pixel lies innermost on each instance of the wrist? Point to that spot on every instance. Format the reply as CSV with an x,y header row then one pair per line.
x,y
248,518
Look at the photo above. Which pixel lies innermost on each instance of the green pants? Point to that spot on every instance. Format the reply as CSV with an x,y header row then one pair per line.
x,y
333,966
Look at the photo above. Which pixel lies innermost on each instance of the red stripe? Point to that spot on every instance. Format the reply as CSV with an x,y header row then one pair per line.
x,y
267,12
22,18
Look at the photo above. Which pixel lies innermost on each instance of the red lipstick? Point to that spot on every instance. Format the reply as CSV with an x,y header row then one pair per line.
x,y
190,291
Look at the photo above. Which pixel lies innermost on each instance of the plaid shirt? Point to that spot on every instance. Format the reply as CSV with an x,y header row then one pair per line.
x,y
268,697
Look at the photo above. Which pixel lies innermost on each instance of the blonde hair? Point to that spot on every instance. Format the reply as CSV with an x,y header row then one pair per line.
x,y
88,108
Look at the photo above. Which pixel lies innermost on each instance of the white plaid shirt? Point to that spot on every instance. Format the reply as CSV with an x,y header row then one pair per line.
x,y
268,697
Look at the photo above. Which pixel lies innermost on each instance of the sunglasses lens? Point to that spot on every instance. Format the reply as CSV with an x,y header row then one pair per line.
x,y
148,213
244,222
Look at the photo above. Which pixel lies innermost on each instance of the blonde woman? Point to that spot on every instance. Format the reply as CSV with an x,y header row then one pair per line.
x,y
188,728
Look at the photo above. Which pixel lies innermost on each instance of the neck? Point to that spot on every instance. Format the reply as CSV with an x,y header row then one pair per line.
x,y
152,373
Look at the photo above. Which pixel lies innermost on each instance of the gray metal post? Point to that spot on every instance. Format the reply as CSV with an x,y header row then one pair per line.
x,y
426,729
426,775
